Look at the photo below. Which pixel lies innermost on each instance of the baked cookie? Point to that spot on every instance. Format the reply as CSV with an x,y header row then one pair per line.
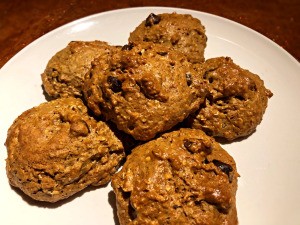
x,y
236,103
64,74
180,31
56,149
183,177
144,89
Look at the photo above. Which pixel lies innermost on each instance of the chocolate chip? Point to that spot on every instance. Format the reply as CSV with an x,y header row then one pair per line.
x,y
175,42
152,19
127,47
115,84
241,98
162,53
189,80
224,167
207,73
176,206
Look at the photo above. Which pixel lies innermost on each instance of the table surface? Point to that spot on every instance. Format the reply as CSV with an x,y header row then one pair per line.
x,y
21,22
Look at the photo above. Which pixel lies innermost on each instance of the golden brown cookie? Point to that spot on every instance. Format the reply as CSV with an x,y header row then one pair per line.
x,y
236,103
64,74
56,150
144,89
179,31
183,177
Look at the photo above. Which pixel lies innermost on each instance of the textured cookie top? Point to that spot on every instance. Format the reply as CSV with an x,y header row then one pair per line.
x,y
183,177
236,103
180,31
144,89
64,74
56,149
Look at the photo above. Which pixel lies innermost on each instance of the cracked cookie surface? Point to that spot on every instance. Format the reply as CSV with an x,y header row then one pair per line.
x,y
236,102
179,31
65,71
183,177
144,89
56,150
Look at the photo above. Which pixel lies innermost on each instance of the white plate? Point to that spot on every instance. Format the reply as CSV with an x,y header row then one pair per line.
x,y
268,161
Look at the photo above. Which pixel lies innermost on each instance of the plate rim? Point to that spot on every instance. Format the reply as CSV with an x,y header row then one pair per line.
x,y
128,9
261,37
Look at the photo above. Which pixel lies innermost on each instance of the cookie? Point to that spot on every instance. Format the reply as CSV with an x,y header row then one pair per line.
x,y
179,31
64,73
183,177
236,103
145,89
56,150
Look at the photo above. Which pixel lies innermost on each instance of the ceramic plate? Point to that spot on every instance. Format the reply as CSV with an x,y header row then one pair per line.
x,y
268,160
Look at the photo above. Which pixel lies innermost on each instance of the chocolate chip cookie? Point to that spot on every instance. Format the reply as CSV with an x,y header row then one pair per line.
x,y
56,150
236,103
144,89
179,31
64,73
183,177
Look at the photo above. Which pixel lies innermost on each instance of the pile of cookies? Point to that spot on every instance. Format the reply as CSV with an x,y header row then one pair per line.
x,y
154,107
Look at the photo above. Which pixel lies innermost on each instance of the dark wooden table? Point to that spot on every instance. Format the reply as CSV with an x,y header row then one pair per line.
x,y
21,22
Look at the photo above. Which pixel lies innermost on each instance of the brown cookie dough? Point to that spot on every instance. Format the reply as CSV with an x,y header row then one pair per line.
x,y
183,177
144,89
180,31
64,74
236,103
56,149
